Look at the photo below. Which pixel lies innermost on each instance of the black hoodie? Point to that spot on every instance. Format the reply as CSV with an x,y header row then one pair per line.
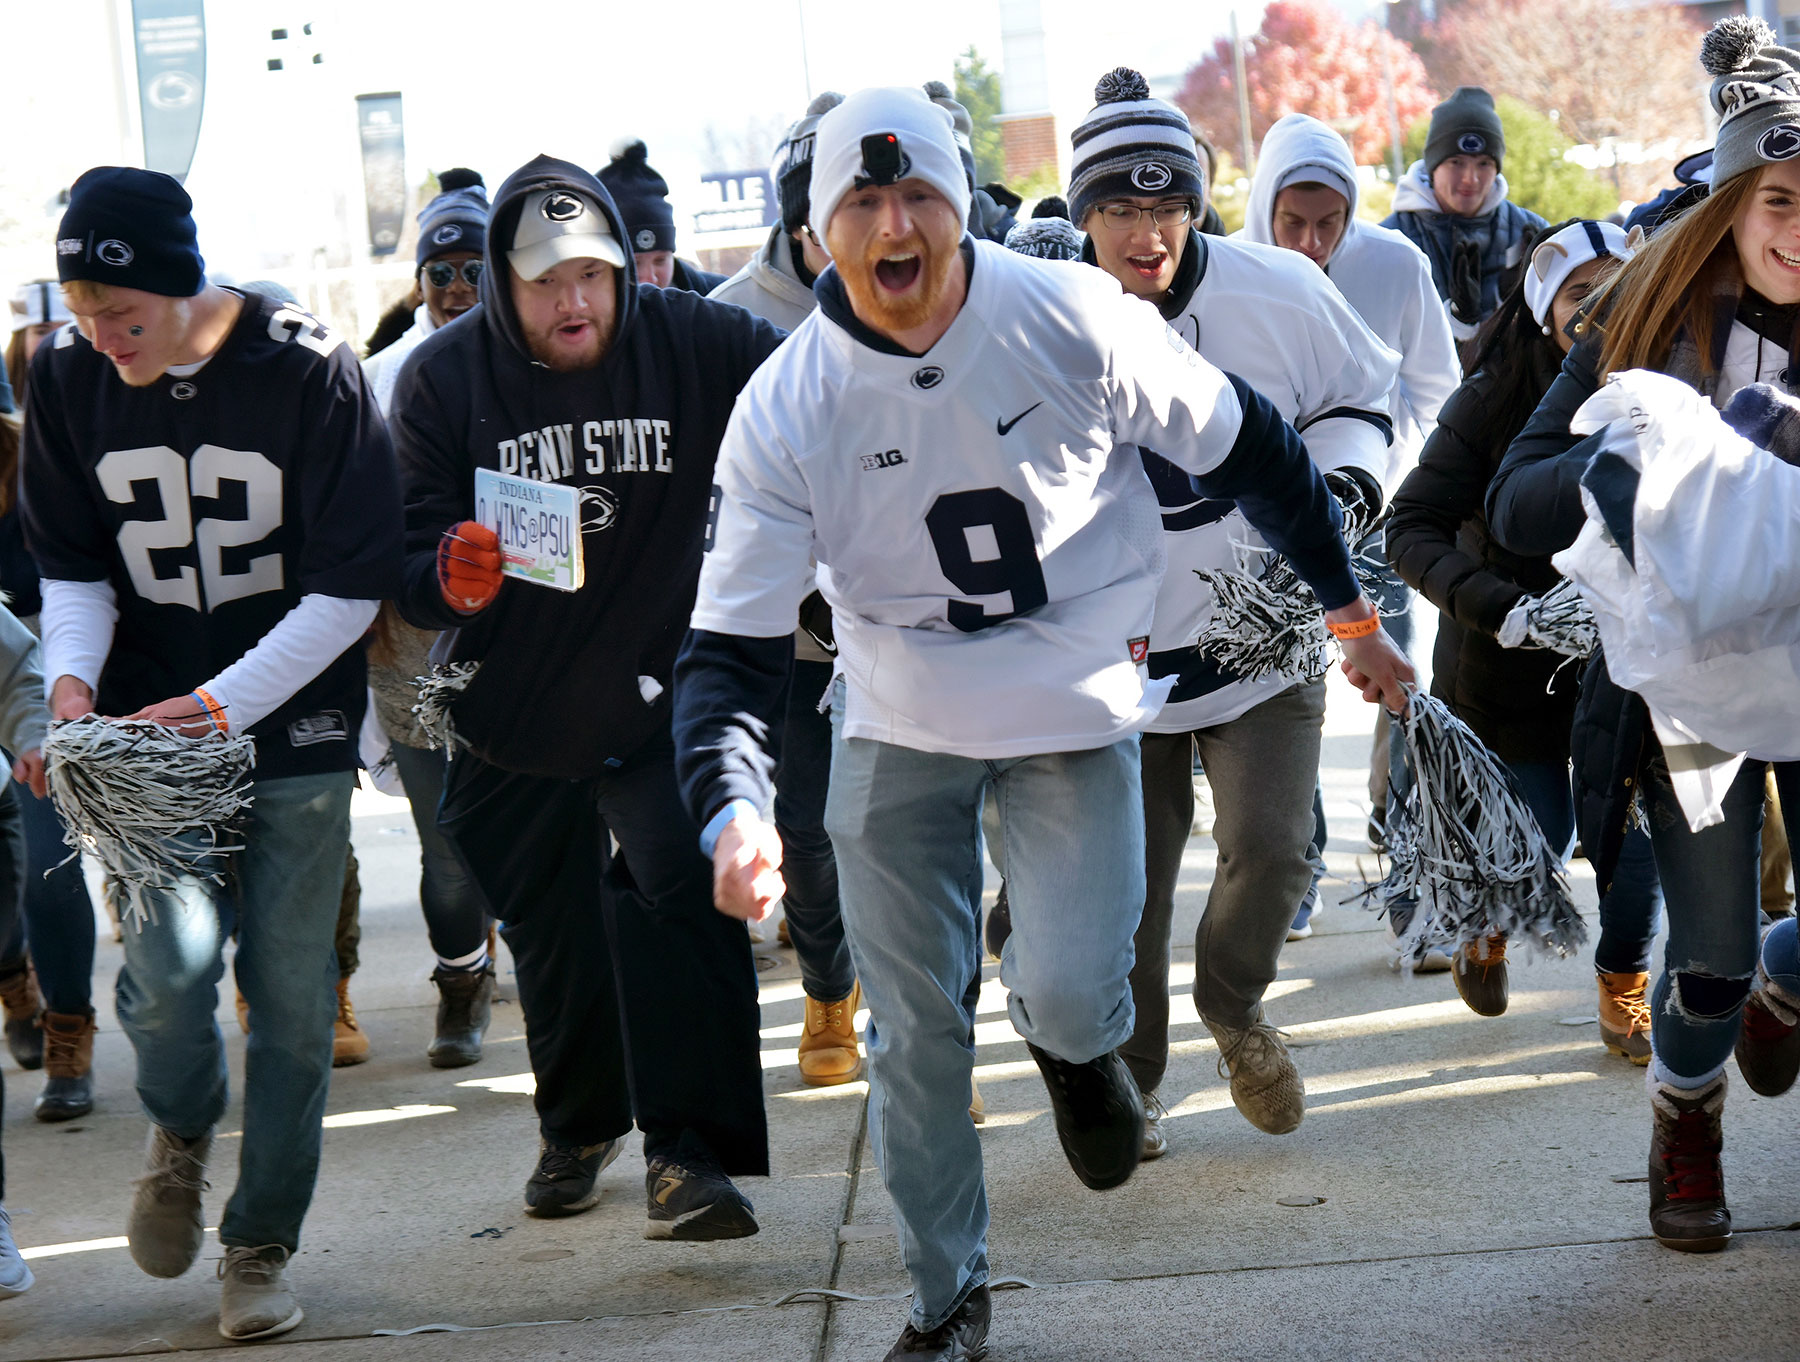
x,y
560,690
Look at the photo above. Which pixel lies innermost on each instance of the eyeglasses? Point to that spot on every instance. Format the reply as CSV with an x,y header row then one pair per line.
x,y
1122,217
442,273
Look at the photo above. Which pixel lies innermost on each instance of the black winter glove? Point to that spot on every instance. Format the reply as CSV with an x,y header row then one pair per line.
x,y
1768,419
1465,281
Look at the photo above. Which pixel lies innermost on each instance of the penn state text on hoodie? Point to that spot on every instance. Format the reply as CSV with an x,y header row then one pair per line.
x,y
561,689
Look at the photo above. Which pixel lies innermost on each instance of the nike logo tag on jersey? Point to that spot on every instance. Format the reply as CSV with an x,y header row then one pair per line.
x,y
1004,426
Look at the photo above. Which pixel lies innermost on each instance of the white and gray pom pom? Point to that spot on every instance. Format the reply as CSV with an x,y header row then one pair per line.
x,y
437,693
1119,85
152,805
630,148
1465,847
1732,44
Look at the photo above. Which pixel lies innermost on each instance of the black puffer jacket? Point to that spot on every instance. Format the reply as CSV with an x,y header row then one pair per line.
x,y
1534,507
1519,701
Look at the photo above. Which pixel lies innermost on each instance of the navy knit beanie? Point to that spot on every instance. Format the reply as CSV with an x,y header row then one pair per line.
x,y
641,195
1132,146
1466,124
456,220
131,229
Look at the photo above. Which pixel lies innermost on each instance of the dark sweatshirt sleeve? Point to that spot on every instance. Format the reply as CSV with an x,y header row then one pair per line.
x,y
1281,492
727,687
1534,501
1446,489
438,483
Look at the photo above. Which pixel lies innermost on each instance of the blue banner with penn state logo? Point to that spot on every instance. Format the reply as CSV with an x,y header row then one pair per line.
x,y
383,135
171,66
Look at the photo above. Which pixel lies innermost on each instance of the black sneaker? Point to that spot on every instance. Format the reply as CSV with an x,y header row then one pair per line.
x,y
999,923
1099,1116
566,1180
693,1200
961,1338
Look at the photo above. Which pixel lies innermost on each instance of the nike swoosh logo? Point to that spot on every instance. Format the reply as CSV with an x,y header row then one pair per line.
x,y
665,1188
1004,426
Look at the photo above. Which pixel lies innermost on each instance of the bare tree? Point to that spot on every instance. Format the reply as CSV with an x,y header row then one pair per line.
x,y
1605,71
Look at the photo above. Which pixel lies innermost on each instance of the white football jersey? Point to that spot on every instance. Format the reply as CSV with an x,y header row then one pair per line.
x,y
985,534
1272,318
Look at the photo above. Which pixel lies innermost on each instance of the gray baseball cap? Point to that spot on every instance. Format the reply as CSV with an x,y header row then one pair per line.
x,y
557,225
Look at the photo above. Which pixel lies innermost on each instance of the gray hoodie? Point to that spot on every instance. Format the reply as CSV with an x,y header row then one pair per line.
x,y
23,717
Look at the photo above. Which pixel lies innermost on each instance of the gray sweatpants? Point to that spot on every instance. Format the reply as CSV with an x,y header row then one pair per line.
x,y
1262,767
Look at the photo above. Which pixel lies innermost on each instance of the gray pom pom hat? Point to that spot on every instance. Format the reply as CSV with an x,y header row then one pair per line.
x,y
1755,92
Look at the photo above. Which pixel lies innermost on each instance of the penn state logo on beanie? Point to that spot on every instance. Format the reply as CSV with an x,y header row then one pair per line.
x,y
1466,124
130,228
1755,92
1132,146
456,220
642,196
792,171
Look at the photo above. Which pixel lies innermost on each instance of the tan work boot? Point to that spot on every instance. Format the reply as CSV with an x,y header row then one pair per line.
x,y
243,1012
349,1042
828,1053
68,1067
1625,1015
24,1007
977,1103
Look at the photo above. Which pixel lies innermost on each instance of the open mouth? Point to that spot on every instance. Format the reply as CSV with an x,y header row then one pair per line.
x,y
1786,258
1149,266
573,332
897,273
124,361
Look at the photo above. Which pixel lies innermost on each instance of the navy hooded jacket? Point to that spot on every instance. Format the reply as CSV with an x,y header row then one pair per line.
x,y
562,687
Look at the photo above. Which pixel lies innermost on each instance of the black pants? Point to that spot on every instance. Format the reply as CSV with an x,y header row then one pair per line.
x,y
639,996
12,896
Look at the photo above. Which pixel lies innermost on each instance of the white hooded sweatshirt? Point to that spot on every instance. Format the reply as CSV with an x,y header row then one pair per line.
x,y
382,368
1380,273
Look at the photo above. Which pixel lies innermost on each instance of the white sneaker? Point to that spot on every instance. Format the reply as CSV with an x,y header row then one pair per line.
x,y
166,1228
1156,1139
15,1273
1425,959
1203,807
256,1300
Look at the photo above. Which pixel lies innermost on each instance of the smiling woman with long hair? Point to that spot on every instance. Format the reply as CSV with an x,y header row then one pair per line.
x,y
1713,300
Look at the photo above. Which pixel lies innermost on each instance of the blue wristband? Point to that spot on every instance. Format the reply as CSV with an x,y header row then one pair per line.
x,y
709,835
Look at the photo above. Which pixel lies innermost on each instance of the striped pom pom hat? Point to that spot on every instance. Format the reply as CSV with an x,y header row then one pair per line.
x,y
1132,146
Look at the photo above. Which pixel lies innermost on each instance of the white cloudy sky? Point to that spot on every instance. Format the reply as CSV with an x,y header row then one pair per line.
x,y
485,84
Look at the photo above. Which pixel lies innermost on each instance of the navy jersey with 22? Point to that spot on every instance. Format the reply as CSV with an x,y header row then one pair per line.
x,y
212,501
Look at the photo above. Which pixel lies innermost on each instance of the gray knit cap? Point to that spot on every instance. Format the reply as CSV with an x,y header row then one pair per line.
x,y
1046,238
1132,146
1755,92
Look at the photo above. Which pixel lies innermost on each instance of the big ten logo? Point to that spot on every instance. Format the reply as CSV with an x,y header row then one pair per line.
x,y
888,458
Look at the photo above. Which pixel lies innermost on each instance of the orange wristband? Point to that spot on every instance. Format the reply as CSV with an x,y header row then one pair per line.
x,y
214,710
1355,628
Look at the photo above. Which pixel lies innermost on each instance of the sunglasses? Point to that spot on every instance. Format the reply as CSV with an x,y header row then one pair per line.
x,y
442,273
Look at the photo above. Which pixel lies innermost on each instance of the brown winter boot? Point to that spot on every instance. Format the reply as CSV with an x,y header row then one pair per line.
x,y
349,1042
24,1008
68,1067
1687,1183
1479,971
1625,1015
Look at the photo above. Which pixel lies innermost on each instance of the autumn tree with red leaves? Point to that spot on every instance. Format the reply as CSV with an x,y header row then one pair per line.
x,y
1306,58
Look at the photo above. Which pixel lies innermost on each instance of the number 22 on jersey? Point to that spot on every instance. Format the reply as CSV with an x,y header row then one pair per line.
x,y
179,481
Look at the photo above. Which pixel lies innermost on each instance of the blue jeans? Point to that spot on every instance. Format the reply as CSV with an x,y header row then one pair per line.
x,y
906,825
456,912
59,915
283,899
1781,956
1629,909
815,922
1712,880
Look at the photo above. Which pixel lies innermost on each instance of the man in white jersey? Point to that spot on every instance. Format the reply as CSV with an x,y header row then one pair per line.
x,y
951,436
1279,324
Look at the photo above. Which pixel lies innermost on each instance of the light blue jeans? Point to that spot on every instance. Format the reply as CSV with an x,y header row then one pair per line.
x,y
282,900
907,829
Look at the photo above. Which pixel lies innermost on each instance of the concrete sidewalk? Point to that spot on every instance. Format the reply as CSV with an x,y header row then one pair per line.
x,y
1461,1188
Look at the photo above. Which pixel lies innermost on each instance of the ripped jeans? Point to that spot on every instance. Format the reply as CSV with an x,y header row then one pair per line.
x,y
1712,889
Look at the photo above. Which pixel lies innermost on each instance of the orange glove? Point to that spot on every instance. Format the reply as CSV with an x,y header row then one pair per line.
x,y
468,566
